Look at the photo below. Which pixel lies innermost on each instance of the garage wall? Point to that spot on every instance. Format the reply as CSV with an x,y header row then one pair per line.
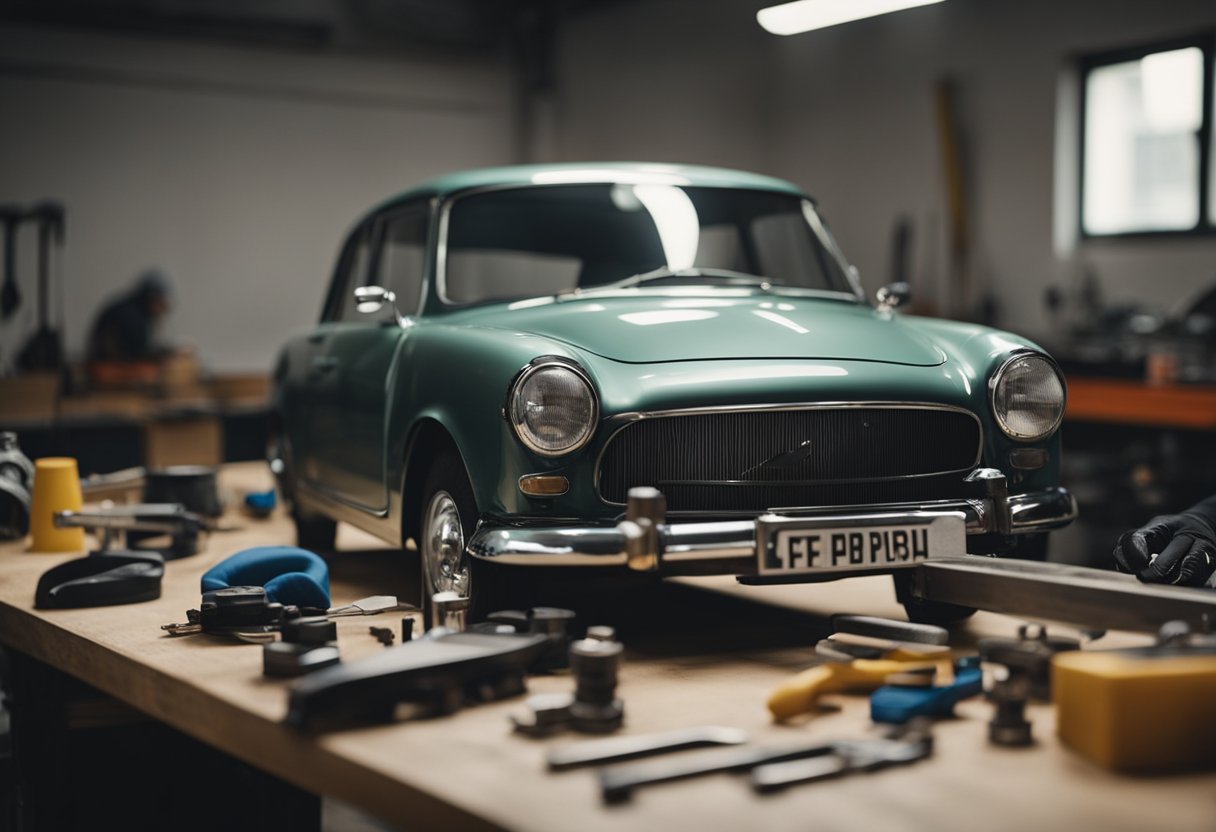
x,y
234,170
849,113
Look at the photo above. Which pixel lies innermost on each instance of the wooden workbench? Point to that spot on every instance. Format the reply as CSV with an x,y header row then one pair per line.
x,y
702,654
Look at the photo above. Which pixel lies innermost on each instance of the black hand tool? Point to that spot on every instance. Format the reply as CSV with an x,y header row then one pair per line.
x,y
436,673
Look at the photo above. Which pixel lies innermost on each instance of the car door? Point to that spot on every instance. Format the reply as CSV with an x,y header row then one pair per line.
x,y
307,388
360,356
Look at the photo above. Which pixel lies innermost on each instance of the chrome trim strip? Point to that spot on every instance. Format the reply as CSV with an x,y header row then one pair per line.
x,y
623,420
1042,510
733,539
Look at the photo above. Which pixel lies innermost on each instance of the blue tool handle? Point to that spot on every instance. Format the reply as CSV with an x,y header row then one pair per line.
x,y
897,704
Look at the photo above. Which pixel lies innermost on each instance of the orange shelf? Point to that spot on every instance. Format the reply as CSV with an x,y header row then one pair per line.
x,y
1138,403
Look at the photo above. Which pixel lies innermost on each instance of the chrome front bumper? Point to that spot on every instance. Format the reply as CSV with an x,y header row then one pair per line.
x,y
645,542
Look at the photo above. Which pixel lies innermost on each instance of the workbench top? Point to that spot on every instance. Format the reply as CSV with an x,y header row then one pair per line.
x,y
701,651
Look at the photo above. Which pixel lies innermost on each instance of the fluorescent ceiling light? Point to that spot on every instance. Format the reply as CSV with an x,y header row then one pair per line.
x,y
805,15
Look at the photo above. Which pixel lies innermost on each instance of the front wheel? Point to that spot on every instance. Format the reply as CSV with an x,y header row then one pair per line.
x,y
448,516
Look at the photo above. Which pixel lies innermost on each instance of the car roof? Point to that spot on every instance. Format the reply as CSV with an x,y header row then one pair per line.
x,y
588,172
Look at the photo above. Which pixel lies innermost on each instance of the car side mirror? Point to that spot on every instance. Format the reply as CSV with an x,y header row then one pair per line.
x,y
370,299
893,295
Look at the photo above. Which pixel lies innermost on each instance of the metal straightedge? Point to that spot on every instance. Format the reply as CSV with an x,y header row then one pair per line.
x,y
1091,598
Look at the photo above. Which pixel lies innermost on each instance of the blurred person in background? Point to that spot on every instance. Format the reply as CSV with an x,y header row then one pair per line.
x,y
125,330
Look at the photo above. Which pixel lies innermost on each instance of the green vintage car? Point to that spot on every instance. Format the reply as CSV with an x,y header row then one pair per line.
x,y
650,370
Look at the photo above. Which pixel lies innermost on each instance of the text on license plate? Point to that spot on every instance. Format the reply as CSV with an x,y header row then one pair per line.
x,y
814,550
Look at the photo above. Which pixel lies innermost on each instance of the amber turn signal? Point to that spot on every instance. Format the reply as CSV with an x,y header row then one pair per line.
x,y
543,485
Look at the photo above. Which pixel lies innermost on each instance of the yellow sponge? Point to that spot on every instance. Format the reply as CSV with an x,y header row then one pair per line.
x,y
1135,711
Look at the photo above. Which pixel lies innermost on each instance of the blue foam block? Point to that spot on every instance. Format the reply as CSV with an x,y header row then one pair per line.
x,y
290,575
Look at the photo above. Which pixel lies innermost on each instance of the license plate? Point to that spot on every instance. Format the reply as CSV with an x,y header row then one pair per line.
x,y
794,545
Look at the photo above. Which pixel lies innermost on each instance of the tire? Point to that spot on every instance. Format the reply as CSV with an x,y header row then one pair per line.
x,y
447,517
1030,547
920,611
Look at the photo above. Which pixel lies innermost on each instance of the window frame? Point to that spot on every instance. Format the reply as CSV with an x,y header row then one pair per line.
x,y
424,206
340,281
1205,41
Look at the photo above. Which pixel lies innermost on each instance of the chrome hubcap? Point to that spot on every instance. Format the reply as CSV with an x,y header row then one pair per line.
x,y
443,561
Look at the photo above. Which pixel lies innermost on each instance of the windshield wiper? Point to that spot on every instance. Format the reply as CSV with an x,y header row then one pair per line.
x,y
731,278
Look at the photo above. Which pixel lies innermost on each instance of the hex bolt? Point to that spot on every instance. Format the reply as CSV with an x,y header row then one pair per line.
x,y
309,630
601,633
645,511
596,710
1009,726
546,713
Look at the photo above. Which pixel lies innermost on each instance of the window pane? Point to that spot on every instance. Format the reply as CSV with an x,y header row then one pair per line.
x,y
1141,150
403,258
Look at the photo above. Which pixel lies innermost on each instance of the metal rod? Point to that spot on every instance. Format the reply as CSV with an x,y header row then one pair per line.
x,y
1093,598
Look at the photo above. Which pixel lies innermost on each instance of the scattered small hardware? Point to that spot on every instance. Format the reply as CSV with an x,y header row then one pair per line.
x,y
384,635
594,707
436,674
554,624
1031,653
544,714
620,749
451,611
911,694
285,658
595,662
1009,693
903,745
308,630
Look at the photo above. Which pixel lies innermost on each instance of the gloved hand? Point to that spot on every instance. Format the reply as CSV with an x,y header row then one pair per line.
x,y
1173,548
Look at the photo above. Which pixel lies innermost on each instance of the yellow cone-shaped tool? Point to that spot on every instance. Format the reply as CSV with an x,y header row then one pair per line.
x,y
56,488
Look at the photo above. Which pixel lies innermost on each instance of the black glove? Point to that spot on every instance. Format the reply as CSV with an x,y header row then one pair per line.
x,y
1173,548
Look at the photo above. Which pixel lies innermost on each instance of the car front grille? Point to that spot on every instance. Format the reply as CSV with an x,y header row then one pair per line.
x,y
752,460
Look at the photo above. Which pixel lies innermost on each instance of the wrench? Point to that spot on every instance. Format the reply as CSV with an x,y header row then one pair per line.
x,y
617,749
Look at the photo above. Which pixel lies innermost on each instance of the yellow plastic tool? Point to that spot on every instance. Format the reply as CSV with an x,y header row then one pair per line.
x,y
56,488
801,694
1135,712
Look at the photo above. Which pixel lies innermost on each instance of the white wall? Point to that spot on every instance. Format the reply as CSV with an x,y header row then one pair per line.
x,y
237,171
849,114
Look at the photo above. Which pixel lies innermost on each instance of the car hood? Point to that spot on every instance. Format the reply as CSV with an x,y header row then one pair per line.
x,y
660,329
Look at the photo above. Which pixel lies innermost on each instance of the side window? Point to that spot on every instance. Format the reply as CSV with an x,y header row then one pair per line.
x,y
352,272
402,261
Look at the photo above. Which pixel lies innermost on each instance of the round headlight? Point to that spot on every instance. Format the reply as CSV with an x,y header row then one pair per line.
x,y
1028,397
553,408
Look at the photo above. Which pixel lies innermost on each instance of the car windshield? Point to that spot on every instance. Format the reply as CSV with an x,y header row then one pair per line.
x,y
537,241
